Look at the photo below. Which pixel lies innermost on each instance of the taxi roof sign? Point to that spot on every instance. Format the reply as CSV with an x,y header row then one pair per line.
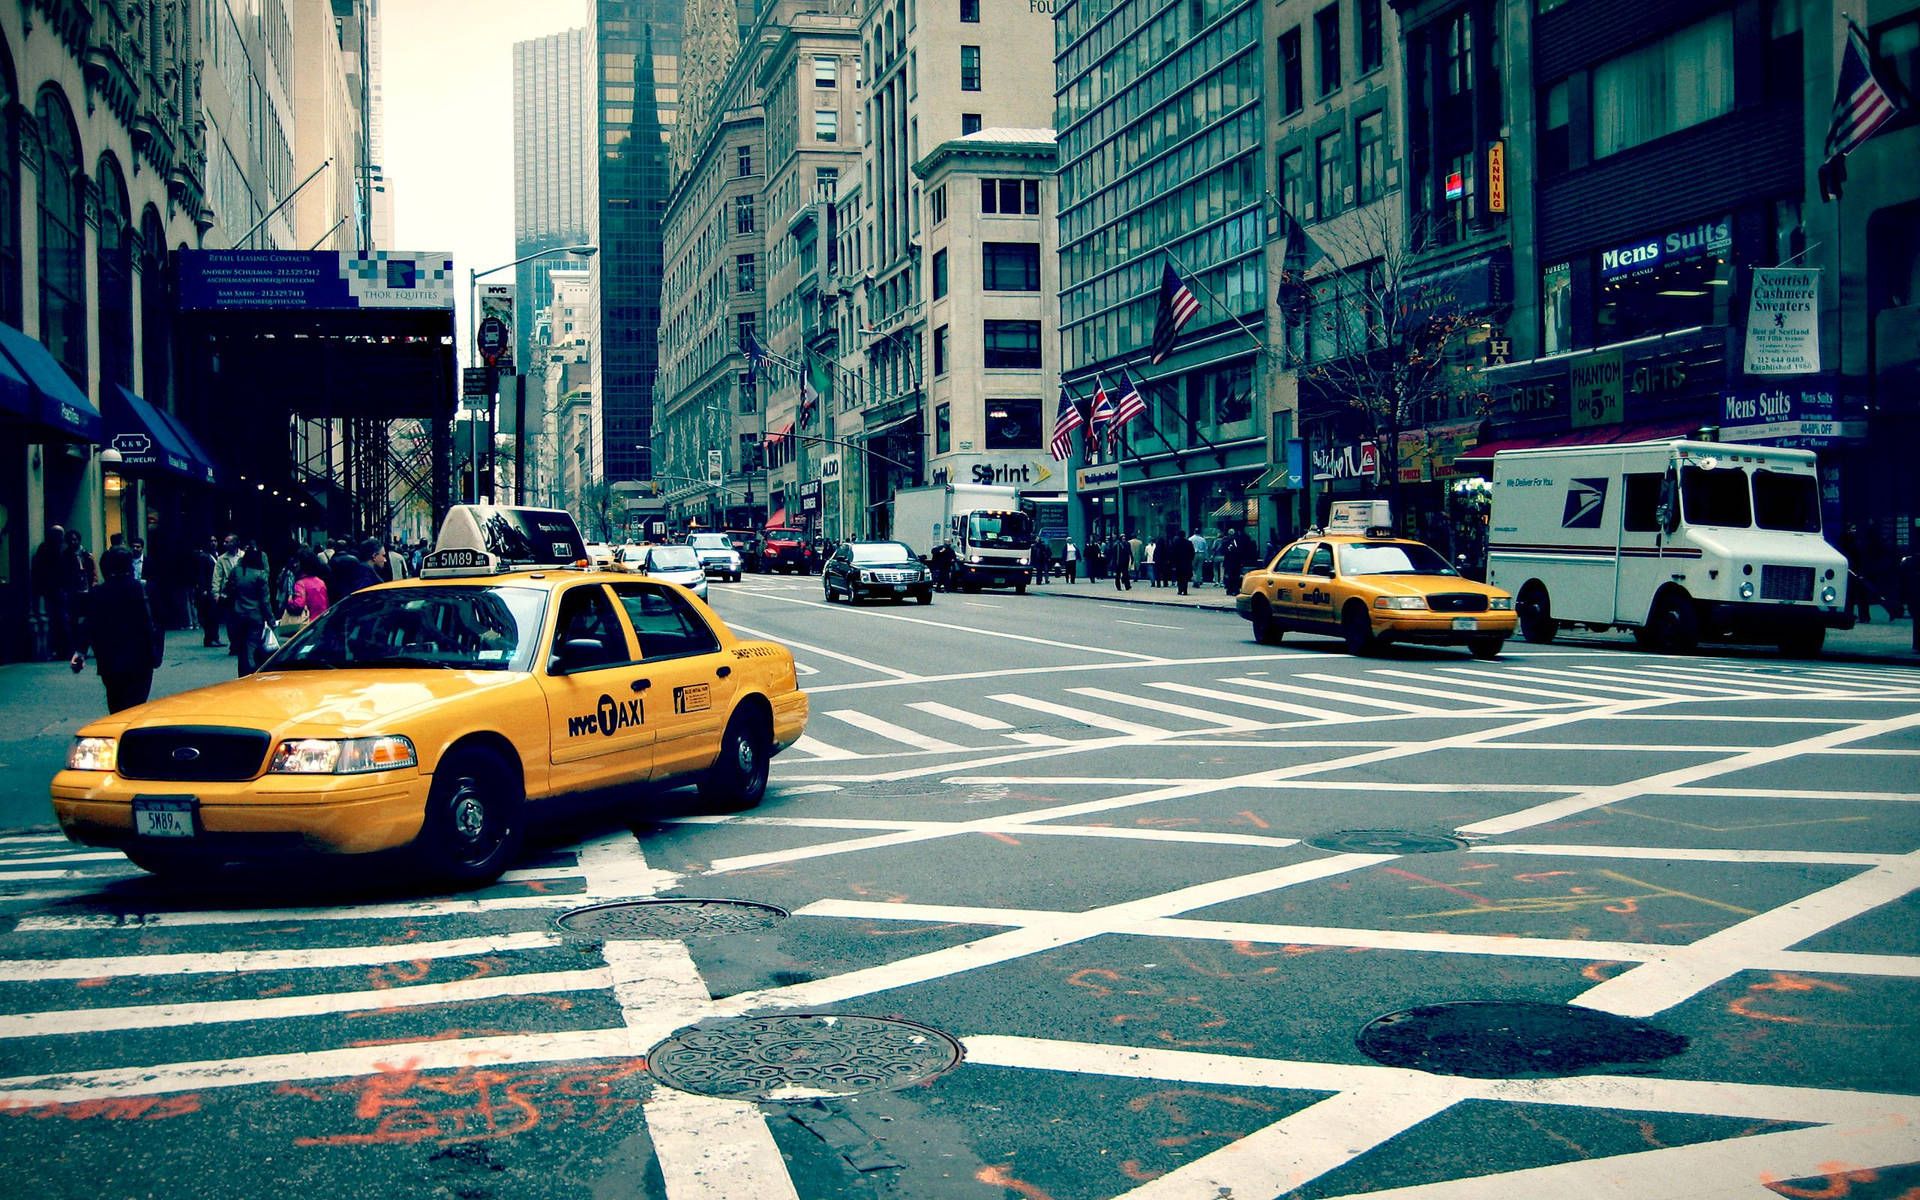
x,y
1359,516
483,539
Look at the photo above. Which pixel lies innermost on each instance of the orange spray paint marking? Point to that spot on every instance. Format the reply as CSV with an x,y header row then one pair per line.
x,y
1537,876
1627,904
1082,978
1747,1005
1001,837
474,1104
1599,972
128,1108
445,1035
1840,1179
998,1176
96,981
1481,900
1131,1169
1256,822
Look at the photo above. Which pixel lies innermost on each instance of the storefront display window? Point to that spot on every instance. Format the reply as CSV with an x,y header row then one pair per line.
x,y
1013,424
1556,309
1677,280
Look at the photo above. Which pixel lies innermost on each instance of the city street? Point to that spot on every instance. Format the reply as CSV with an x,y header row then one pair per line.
x,y
1056,899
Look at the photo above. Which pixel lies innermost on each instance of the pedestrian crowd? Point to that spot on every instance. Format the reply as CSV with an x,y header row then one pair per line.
x,y
1179,560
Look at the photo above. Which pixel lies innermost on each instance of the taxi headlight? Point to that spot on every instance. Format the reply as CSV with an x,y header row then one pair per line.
x,y
1401,602
1500,604
93,754
346,756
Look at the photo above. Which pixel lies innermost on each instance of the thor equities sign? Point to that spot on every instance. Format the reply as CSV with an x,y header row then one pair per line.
x,y
329,279
1783,322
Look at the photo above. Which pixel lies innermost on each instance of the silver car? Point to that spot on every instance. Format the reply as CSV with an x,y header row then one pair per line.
x,y
675,564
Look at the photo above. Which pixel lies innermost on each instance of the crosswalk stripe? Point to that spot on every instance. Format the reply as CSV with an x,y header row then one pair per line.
x,y
1040,739
1364,701
1202,715
1298,710
1084,717
888,730
1409,689
1678,681
28,970
66,1021
404,910
1480,676
808,744
1713,679
7,877
1617,687
62,859
959,715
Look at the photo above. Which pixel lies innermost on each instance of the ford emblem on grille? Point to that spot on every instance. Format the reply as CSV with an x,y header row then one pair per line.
x,y
186,754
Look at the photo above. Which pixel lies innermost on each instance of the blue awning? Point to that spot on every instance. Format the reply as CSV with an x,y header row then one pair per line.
x,y
57,409
200,465
143,438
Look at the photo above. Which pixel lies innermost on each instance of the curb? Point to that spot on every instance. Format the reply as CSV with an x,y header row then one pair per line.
x,y
1125,598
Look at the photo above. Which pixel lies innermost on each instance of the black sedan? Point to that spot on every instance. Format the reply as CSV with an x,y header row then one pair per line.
x,y
859,570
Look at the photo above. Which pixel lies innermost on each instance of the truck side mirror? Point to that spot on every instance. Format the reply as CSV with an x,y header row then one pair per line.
x,y
1668,512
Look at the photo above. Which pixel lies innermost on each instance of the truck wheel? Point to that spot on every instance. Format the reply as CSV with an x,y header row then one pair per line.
x,y
1536,615
1486,647
1357,629
1804,643
1264,630
1674,625
472,829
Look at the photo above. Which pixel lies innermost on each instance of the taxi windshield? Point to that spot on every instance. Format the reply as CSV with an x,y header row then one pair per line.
x,y
451,628
1392,558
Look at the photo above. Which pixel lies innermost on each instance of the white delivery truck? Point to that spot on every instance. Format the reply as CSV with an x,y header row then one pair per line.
x,y
991,535
1674,540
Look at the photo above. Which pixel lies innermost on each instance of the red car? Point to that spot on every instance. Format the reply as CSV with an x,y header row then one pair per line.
x,y
784,550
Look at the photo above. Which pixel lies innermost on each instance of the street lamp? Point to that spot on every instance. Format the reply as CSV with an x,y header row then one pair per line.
x,y
473,342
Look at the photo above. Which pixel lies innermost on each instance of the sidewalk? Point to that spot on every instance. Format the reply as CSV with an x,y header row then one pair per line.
x,y
42,704
1881,641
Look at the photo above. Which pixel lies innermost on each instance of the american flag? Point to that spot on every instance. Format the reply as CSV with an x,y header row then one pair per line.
x,y
1064,423
1132,404
1860,104
1102,421
1177,307
750,346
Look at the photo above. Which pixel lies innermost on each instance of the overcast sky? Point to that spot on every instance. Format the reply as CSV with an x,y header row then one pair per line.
x,y
447,82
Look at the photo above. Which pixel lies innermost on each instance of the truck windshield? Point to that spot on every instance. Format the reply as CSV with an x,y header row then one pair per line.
x,y
999,529
1715,497
1782,500
1391,558
709,541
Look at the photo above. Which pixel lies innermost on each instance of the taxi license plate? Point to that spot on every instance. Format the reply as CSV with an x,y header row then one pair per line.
x,y
1466,623
164,818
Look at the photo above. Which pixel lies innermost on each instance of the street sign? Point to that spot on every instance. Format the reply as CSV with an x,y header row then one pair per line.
x,y
1369,459
492,339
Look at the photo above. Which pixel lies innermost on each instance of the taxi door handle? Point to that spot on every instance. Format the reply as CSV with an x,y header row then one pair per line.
x,y
723,672
641,685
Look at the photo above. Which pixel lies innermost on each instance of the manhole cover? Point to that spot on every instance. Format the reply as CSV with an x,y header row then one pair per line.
x,y
801,1056
1502,1039
1385,841
630,919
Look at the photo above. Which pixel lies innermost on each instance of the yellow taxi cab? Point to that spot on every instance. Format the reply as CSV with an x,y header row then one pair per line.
x,y
439,713
1357,582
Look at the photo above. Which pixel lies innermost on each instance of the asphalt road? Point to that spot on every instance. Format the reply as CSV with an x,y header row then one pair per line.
x,y
1074,843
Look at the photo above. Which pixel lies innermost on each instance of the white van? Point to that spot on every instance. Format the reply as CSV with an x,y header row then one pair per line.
x,y
1676,541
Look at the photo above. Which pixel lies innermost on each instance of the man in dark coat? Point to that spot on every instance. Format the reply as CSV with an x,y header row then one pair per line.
x,y
347,574
1180,549
49,579
116,622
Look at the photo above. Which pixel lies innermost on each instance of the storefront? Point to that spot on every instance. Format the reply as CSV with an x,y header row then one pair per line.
x,y
1665,386
1124,500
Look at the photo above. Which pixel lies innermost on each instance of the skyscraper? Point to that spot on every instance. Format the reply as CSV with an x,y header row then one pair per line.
x,y
553,126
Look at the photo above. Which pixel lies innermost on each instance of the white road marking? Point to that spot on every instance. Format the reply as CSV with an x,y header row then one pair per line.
x,y
1689,854
1146,625
277,1008
819,750
31,970
97,876
980,604
1202,715
36,838
60,859
1040,739
1342,696
1482,679
991,633
1559,698
410,909
1082,716
1361,681
888,730
1632,683
1793,794
863,664
958,715
1298,710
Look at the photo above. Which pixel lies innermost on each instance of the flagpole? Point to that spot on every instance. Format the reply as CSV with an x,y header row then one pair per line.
x,y
1260,343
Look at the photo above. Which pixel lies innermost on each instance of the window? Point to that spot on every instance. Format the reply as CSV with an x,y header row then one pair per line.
x,y
1013,425
969,123
969,12
1326,40
825,180
63,270
1010,267
1293,182
743,269
746,160
826,72
1294,561
989,196
1327,173
10,275
1679,81
1556,308
1010,197
969,68
1456,197
1556,140
939,274
943,429
743,214
937,202
1372,43
1639,508
1292,90
114,276
586,615
1322,562
1715,497
1030,196
1896,55
1371,156
826,125
1784,51
667,625
940,350
1013,345
1459,70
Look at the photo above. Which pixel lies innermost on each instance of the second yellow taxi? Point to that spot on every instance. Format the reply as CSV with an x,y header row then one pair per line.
x,y
1359,583
433,714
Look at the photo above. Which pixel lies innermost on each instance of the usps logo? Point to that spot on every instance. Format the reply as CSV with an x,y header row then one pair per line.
x,y
1586,499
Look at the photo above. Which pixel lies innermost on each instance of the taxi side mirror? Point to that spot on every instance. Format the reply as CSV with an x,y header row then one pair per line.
x,y
577,654
1323,570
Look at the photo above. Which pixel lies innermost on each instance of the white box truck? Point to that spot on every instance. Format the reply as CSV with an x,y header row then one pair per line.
x,y
991,536
1677,541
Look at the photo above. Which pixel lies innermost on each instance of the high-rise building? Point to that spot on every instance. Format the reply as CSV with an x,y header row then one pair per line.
x,y
553,140
1160,126
246,81
634,48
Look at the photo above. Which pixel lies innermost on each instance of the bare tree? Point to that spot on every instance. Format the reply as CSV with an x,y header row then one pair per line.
x,y
596,510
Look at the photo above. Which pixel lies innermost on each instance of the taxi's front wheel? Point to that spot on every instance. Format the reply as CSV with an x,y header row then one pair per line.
x,y
738,777
472,829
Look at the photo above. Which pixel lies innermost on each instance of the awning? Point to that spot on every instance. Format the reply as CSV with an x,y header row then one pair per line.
x,y
777,519
1602,435
51,401
142,437
776,436
200,465
889,427
1273,479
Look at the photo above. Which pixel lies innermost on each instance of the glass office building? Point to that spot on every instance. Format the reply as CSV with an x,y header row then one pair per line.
x,y
1158,110
553,124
